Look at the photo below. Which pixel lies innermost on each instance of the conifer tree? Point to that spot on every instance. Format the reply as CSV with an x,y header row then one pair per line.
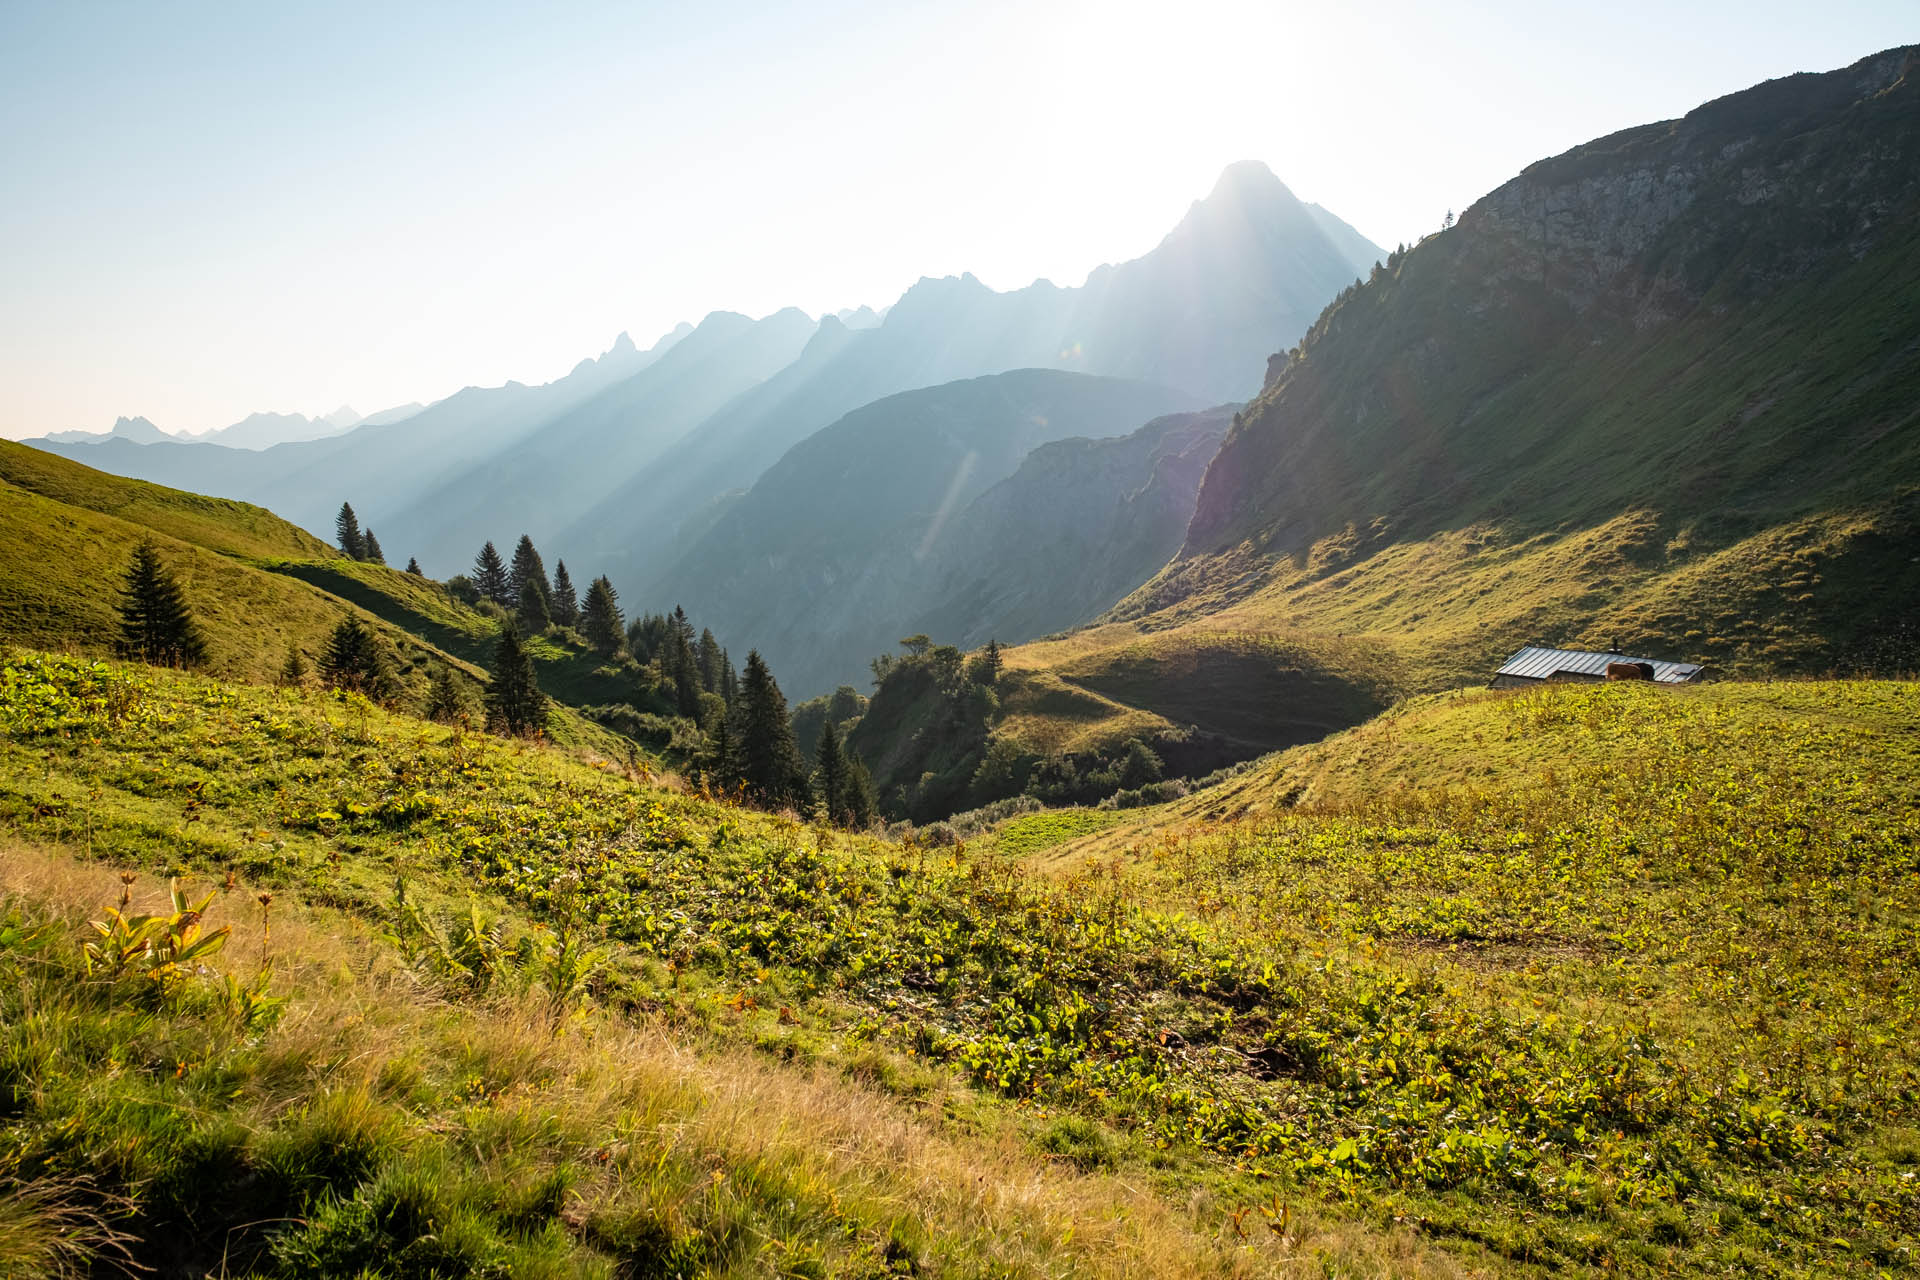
x,y
719,760
600,617
863,800
490,577
444,702
527,567
769,760
156,625
346,532
356,660
729,681
370,549
709,654
992,656
682,666
413,567
830,774
565,605
515,704
532,611
293,672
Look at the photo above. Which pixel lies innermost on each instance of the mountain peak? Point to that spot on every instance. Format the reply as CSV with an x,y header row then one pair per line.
x,y
622,345
1248,177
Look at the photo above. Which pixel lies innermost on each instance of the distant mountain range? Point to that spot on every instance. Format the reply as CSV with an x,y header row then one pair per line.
x,y
255,431
624,465
1661,392
853,534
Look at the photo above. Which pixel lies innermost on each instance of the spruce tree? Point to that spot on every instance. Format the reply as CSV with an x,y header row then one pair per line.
x,y
490,577
830,774
565,605
444,702
683,668
293,672
156,625
356,660
413,567
993,662
769,761
515,704
863,801
600,618
720,758
527,567
532,611
370,549
709,652
346,532
729,681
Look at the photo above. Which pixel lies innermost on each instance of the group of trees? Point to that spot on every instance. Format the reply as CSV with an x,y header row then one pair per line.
x,y
358,543
521,588
748,742
751,748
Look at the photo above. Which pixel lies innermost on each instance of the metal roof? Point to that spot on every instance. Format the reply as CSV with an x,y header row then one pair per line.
x,y
1538,664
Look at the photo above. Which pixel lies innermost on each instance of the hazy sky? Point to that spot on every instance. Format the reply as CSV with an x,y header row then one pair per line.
x,y
212,209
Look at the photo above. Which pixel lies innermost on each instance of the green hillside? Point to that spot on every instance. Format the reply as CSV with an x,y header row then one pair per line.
x,y
1497,1027
1658,392
258,586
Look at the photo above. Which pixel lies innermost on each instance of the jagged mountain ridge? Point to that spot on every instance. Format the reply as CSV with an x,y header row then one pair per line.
x,y
1199,312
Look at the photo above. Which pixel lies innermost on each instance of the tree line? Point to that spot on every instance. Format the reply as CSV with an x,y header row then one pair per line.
x,y
746,746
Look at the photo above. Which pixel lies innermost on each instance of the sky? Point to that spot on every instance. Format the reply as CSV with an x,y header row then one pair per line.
x,y
209,210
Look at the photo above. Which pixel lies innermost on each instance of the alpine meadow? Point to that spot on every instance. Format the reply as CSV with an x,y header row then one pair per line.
x,y
1278,756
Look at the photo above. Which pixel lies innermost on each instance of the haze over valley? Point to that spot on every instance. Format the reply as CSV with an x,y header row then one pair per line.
x,y
1232,750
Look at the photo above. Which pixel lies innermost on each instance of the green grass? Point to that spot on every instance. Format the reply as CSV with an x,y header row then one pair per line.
x,y
1640,1000
1033,832
257,585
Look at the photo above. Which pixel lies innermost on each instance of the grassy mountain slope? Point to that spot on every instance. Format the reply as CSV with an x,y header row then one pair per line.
x,y
1506,1019
257,585
1659,391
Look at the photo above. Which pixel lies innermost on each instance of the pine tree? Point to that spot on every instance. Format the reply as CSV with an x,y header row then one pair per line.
x,y
769,761
370,549
515,704
346,532
709,653
683,668
719,759
830,775
601,619
527,567
490,578
293,672
156,625
413,567
729,680
992,656
863,801
356,660
565,605
444,702
532,611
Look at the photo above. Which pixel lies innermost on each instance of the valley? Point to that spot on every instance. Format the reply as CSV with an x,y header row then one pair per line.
x,y
1009,783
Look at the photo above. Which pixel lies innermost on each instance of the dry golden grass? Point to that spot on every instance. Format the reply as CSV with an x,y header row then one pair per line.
x,y
650,1098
